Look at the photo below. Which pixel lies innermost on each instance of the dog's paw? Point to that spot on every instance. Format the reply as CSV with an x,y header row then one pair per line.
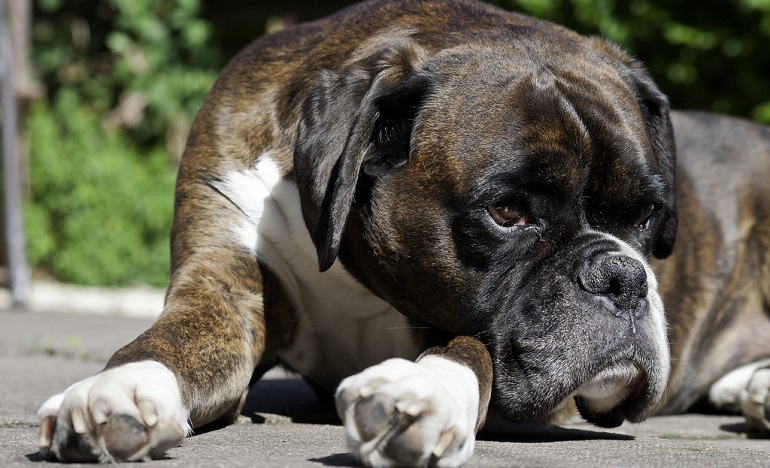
x,y
128,413
401,413
755,400
746,390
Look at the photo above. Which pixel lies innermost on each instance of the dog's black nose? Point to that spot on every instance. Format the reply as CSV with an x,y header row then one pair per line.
x,y
621,279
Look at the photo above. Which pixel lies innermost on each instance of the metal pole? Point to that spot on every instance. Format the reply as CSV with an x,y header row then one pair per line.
x,y
14,223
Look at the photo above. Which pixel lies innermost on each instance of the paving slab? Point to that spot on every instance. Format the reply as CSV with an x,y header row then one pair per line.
x,y
284,424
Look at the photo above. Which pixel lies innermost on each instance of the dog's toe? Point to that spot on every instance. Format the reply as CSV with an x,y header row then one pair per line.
x,y
124,436
373,415
755,400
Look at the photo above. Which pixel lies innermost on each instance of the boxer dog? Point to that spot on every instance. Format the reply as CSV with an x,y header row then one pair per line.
x,y
439,208
716,285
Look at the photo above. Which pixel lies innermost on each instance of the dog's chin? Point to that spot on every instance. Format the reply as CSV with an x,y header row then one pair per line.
x,y
619,393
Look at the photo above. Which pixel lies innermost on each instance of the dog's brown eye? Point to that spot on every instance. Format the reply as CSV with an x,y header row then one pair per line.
x,y
643,220
509,214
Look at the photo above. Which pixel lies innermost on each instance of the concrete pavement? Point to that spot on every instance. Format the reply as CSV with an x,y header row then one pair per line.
x,y
285,426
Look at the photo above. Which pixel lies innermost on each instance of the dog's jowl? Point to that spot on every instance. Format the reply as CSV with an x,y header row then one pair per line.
x,y
438,209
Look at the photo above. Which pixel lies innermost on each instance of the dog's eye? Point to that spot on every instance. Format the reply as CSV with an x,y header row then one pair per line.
x,y
645,214
509,214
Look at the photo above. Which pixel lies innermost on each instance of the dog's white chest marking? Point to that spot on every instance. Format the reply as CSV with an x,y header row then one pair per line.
x,y
343,328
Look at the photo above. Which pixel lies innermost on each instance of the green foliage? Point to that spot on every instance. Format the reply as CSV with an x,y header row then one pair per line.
x,y
101,209
125,78
707,54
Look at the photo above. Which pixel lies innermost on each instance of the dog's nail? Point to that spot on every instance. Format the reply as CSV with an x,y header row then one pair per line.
x,y
411,408
446,439
78,421
100,412
759,396
149,415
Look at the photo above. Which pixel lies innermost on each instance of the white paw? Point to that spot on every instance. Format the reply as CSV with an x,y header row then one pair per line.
x,y
755,401
745,390
131,412
401,413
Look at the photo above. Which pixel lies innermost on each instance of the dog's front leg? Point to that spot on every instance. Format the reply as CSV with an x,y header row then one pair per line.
x,y
192,367
423,413
194,364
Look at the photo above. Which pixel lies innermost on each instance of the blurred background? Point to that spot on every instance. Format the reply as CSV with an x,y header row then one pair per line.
x,y
107,90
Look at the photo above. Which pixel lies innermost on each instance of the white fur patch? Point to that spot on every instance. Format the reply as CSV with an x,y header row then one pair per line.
x,y
732,392
145,391
608,388
402,413
330,305
755,399
658,332
656,309
725,392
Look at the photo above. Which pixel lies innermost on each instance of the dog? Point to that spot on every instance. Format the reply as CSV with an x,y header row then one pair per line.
x,y
716,285
441,211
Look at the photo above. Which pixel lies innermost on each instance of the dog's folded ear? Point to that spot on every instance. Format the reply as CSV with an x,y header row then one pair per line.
x,y
356,119
655,110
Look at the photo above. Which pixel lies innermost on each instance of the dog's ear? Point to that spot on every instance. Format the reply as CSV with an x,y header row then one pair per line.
x,y
655,111
356,119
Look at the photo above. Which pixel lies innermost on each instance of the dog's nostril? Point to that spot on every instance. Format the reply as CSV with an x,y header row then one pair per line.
x,y
615,287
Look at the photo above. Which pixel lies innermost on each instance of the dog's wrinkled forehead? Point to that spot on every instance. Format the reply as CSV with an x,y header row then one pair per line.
x,y
572,122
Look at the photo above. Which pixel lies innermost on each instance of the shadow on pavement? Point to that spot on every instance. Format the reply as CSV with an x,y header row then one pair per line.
x,y
499,430
35,457
339,459
294,400
745,430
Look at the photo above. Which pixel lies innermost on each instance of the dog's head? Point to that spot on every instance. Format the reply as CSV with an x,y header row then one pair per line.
x,y
510,188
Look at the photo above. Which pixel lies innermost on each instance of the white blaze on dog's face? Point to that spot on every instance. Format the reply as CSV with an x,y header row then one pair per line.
x,y
516,202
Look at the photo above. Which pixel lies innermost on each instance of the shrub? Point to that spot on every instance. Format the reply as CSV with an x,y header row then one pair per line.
x,y
100,210
709,55
124,79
